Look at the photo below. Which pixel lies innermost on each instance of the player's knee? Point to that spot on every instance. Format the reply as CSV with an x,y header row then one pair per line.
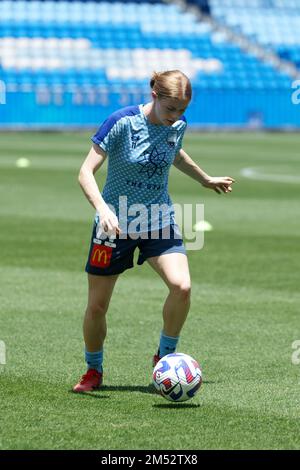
x,y
97,310
182,290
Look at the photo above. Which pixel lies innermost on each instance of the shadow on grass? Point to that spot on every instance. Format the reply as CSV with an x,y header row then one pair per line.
x,y
149,389
129,388
178,406
117,388
95,394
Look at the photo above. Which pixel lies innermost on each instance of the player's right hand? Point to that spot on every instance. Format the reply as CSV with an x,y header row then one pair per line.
x,y
108,224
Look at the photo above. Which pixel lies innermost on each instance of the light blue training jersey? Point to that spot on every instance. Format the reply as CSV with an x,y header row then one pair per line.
x,y
140,155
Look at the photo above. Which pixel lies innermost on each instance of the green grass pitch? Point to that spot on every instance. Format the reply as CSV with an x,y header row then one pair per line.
x,y
243,320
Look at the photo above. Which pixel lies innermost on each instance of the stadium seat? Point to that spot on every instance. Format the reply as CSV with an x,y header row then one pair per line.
x,y
63,43
274,25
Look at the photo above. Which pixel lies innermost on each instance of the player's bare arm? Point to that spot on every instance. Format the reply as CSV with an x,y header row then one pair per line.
x,y
184,163
86,178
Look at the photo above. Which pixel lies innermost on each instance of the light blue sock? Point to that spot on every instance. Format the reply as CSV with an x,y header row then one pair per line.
x,y
167,344
94,360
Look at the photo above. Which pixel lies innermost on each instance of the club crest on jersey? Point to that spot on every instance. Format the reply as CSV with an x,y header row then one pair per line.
x,y
134,140
172,137
153,162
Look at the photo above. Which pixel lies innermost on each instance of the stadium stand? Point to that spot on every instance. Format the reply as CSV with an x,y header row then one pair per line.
x,y
274,24
90,53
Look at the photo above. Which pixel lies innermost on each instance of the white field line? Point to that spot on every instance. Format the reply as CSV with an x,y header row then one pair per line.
x,y
256,174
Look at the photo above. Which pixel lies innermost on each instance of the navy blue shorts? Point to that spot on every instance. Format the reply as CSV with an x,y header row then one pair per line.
x,y
108,257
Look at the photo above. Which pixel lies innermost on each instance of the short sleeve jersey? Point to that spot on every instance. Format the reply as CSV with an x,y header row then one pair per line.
x,y
140,155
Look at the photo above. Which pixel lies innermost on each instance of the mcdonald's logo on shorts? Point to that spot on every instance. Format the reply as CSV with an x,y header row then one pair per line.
x,y
101,256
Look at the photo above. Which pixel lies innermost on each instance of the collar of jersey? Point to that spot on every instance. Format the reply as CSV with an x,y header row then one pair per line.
x,y
147,120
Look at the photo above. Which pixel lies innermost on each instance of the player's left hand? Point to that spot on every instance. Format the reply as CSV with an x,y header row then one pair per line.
x,y
219,183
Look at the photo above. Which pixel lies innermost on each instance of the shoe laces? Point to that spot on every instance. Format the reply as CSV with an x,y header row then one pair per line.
x,y
90,373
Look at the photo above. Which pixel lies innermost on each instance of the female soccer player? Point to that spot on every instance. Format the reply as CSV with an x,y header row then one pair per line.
x,y
141,143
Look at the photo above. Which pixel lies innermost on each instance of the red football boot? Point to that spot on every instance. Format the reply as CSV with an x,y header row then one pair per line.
x,y
155,359
90,381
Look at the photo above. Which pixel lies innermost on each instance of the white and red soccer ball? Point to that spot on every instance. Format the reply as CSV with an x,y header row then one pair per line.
x,y
177,377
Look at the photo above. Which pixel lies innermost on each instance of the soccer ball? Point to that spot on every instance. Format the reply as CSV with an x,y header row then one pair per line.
x,y
177,377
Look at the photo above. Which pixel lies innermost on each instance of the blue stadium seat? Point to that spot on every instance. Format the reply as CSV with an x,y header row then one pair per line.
x,y
103,35
273,24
